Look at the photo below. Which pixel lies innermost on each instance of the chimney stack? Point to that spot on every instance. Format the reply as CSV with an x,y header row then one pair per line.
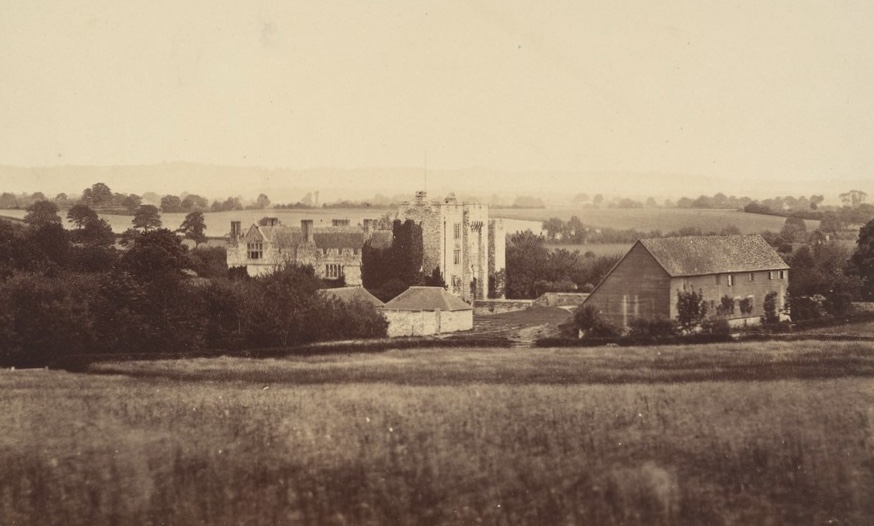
x,y
236,229
306,229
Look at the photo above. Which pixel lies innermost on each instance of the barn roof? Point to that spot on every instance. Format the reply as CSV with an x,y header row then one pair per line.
x,y
697,255
349,294
426,298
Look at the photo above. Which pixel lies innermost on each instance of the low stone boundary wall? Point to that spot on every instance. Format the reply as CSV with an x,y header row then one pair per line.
x,y
484,307
560,299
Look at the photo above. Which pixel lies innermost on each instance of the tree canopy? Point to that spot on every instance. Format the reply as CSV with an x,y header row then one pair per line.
x,y
194,227
146,218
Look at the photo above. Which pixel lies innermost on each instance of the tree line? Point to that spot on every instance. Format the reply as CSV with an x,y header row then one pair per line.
x,y
67,292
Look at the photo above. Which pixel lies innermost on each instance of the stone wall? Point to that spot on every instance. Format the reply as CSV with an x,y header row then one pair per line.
x,y
498,306
560,299
424,323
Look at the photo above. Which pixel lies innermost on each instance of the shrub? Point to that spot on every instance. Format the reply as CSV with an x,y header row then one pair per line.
x,y
746,306
726,306
588,320
691,309
716,326
654,328
770,307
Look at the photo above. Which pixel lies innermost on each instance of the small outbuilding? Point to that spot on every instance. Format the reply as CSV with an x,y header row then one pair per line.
x,y
351,294
420,311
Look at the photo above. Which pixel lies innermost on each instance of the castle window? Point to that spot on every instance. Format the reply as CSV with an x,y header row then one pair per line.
x,y
333,271
255,250
457,230
457,256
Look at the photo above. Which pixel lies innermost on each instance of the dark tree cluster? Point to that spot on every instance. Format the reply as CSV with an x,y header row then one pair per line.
x,y
69,292
386,272
533,269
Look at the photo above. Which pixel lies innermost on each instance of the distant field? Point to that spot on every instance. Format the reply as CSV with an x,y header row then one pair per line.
x,y
599,249
646,219
655,436
219,223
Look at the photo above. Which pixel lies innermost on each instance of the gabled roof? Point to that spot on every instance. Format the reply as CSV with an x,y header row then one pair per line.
x,y
698,255
426,298
350,294
324,237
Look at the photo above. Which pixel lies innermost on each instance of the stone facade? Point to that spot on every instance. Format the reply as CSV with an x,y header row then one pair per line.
x,y
460,240
424,323
334,252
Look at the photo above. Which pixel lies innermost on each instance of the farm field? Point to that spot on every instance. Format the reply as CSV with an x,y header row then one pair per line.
x,y
764,433
646,219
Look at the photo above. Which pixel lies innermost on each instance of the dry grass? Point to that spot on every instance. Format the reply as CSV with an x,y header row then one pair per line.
x,y
444,437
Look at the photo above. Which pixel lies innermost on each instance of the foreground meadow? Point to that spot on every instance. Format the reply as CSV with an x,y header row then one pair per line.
x,y
772,433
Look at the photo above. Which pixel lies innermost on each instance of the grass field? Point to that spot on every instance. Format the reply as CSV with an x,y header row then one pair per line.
x,y
723,434
646,219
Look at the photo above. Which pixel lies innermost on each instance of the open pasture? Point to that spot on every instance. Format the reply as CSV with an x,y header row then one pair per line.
x,y
765,433
646,219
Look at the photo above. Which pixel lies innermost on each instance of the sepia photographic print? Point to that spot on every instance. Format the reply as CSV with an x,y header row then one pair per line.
x,y
284,262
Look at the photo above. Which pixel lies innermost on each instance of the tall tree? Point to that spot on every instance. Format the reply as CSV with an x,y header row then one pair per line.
x,y
263,201
171,203
863,259
194,227
553,226
146,218
527,257
42,213
80,214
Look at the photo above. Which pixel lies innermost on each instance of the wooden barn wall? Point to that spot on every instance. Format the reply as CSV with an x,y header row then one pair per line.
x,y
637,288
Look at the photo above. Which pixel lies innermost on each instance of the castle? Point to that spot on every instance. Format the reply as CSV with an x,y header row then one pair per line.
x,y
459,239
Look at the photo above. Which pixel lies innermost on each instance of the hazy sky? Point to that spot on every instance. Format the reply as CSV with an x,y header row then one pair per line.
x,y
751,88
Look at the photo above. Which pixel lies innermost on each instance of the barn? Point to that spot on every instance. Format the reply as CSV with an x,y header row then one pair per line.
x,y
734,273
420,311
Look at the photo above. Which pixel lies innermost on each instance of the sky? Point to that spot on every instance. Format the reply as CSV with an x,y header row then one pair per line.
x,y
756,90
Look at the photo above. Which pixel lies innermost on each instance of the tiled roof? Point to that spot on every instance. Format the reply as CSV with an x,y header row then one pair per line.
x,y
426,298
324,237
349,294
694,256
338,238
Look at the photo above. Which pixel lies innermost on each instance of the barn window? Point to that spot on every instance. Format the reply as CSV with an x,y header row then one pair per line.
x,y
718,279
770,274
255,250
781,274
730,280
752,276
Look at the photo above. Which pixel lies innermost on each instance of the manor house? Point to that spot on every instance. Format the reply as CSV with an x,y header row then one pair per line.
x,y
462,242
334,252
